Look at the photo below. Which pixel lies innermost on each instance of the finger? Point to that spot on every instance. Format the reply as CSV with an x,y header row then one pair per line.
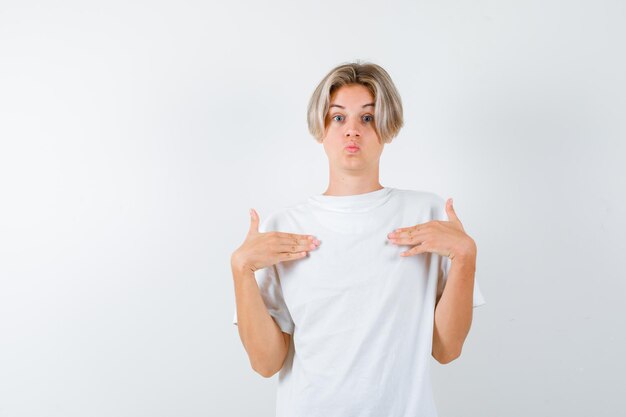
x,y
254,222
414,239
294,248
416,228
405,232
415,250
296,240
288,256
294,236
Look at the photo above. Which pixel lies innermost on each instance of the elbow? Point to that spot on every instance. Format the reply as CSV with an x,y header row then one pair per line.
x,y
266,368
268,362
265,372
447,357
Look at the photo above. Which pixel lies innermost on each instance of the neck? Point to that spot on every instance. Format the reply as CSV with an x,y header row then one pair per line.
x,y
348,183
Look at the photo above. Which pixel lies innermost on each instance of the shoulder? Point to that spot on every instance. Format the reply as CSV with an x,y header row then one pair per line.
x,y
420,197
281,218
428,204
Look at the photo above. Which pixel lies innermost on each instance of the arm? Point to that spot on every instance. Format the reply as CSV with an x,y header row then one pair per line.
x,y
453,311
264,341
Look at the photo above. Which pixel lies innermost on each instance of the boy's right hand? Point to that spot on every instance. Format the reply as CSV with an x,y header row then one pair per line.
x,y
261,250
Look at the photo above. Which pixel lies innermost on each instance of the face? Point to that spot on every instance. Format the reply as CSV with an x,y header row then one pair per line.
x,y
351,142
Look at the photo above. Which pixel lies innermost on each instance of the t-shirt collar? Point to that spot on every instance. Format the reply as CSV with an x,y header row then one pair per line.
x,y
352,203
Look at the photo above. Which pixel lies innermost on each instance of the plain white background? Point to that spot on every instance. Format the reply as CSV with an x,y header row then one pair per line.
x,y
135,136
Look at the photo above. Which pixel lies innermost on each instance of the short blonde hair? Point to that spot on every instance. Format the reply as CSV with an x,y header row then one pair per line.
x,y
388,117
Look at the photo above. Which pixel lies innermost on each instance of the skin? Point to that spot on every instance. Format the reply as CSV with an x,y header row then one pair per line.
x,y
260,250
453,311
358,173
352,173
350,120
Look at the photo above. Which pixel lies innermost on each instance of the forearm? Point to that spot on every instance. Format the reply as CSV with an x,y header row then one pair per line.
x,y
453,312
261,337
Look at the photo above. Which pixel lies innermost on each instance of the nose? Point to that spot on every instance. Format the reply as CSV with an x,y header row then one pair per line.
x,y
352,130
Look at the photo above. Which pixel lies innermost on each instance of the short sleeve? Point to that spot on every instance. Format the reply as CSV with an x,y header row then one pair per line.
x,y
268,281
444,268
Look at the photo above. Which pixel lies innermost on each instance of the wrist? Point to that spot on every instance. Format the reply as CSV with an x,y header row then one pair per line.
x,y
238,264
465,255
464,262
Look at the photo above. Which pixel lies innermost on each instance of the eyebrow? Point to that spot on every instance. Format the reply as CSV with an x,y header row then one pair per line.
x,y
342,107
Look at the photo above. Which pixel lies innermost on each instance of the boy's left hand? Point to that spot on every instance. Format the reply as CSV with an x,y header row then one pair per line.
x,y
446,238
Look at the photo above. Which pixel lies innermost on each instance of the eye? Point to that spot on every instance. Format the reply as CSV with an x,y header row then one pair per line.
x,y
368,118
336,116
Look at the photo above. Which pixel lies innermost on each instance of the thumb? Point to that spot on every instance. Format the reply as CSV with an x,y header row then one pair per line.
x,y
452,214
254,222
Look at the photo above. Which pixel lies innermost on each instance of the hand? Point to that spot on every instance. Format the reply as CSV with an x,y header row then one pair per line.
x,y
260,250
446,238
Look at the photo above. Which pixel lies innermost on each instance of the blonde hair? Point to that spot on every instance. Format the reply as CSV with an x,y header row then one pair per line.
x,y
388,117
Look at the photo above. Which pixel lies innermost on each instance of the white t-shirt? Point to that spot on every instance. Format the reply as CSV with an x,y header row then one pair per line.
x,y
360,314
